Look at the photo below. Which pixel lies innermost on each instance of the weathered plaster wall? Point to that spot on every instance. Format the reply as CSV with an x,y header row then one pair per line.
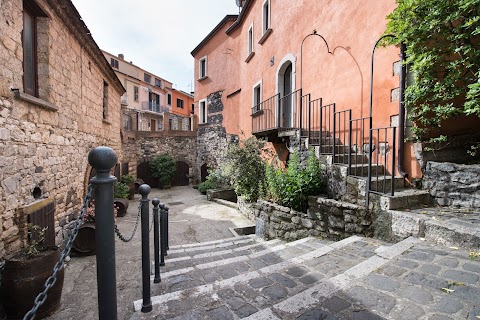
x,y
46,148
452,184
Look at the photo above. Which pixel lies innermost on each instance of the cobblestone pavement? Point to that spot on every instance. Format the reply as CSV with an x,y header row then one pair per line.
x,y
210,274
356,278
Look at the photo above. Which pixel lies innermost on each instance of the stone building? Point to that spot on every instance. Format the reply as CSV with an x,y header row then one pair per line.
x,y
59,98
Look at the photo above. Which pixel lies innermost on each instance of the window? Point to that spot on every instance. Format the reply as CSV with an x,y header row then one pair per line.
x,y
193,108
147,77
250,39
202,68
114,63
105,100
29,42
202,113
266,16
158,83
135,93
169,99
179,103
257,97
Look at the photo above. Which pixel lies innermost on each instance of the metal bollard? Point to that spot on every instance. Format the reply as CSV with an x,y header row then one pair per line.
x,y
103,159
162,234
144,190
166,226
156,240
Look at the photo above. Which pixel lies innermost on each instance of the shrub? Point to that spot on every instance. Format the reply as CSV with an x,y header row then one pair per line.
x,y
120,190
127,178
206,185
215,180
163,167
245,168
292,187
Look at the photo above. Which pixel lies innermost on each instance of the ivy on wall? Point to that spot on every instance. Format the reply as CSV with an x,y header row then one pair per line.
x,y
443,54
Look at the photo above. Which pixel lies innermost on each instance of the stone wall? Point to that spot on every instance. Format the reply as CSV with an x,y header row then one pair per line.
x,y
212,138
45,140
325,218
453,184
140,146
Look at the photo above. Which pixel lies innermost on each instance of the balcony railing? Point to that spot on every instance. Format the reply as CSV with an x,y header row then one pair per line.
x,y
154,107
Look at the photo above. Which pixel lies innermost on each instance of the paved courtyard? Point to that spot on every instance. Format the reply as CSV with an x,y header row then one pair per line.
x,y
211,274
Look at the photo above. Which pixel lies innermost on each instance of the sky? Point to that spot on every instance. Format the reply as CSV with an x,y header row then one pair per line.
x,y
157,36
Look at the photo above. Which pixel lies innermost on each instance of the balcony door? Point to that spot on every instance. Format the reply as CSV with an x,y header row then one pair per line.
x,y
285,87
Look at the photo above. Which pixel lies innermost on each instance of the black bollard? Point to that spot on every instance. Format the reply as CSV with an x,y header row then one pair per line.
x,y
166,227
103,159
156,240
144,190
162,234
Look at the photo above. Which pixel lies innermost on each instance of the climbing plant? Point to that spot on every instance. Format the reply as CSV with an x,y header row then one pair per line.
x,y
443,55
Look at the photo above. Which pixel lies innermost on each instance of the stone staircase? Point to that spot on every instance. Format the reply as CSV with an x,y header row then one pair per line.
x,y
355,278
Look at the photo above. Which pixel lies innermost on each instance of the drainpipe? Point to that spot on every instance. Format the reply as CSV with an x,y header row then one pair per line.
x,y
401,112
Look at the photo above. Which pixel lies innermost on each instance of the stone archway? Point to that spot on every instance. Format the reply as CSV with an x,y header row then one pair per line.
x,y
145,173
203,172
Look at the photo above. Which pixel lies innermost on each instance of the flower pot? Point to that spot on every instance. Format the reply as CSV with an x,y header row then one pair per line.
x,y
23,280
85,241
122,205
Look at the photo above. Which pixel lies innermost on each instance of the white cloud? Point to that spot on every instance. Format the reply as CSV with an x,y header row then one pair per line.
x,y
158,36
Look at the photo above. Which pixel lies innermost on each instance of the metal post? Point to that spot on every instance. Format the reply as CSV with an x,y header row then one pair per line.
x,y
162,234
166,228
103,159
156,240
144,190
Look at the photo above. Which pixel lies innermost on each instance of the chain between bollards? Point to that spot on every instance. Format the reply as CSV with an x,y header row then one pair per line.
x,y
144,190
156,240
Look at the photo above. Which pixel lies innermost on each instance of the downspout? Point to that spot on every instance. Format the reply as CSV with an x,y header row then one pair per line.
x,y
401,113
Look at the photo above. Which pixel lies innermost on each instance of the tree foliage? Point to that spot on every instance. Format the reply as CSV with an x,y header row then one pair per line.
x,y
245,168
163,167
443,54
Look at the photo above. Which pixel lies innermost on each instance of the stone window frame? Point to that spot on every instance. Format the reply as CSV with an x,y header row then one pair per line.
x,y
105,100
40,94
202,68
202,111
135,93
257,95
266,21
250,43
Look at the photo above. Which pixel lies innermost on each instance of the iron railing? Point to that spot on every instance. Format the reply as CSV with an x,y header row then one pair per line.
x,y
154,107
359,142
341,139
289,110
321,119
304,115
382,165
263,114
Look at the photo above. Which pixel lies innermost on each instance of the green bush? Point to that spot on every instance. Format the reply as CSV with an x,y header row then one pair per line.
x,y
127,178
120,190
292,187
245,168
163,167
206,185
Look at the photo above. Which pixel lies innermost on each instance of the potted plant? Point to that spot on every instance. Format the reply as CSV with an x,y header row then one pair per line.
x,y
129,180
25,274
85,243
120,195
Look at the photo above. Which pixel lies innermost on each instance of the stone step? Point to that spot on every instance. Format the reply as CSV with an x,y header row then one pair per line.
x,y
405,199
355,158
226,203
445,226
286,285
363,168
237,255
209,247
356,185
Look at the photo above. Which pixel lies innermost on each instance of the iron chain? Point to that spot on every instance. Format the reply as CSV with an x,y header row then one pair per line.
x,y
120,236
42,296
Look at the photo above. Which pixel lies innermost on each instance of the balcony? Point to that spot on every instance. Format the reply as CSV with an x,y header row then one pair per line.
x,y
154,107
277,114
